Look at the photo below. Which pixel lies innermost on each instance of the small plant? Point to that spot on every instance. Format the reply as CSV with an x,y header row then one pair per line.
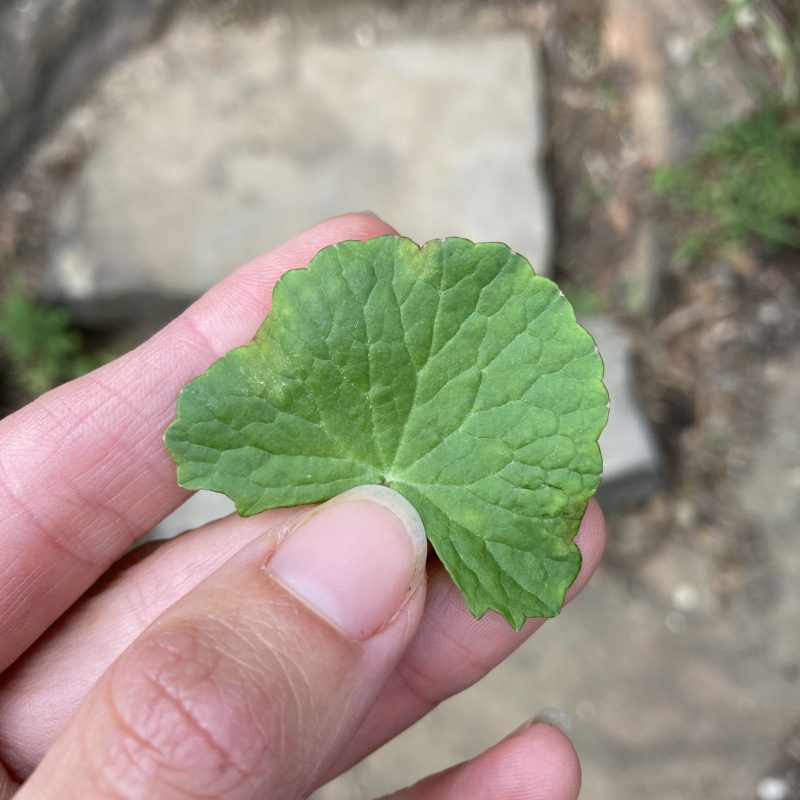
x,y
742,186
39,343
451,373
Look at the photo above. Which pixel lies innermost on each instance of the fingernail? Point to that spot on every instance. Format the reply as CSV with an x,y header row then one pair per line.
x,y
370,214
355,559
554,717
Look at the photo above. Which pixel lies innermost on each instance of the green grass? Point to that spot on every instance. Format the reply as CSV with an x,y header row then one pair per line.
x,y
742,187
39,344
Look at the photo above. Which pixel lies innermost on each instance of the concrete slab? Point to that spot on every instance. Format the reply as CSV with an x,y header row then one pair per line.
x,y
220,143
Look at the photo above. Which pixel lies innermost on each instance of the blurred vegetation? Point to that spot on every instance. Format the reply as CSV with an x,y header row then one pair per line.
x,y
585,301
742,187
39,344
744,183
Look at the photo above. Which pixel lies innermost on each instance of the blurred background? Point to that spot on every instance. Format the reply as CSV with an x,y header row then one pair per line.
x,y
644,154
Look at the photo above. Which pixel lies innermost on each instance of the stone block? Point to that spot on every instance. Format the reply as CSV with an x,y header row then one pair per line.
x,y
219,144
200,508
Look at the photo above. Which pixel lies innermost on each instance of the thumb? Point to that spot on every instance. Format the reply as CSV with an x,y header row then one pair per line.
x,y
252,683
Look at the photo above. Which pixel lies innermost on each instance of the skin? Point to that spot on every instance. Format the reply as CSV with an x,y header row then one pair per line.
x,y
187,669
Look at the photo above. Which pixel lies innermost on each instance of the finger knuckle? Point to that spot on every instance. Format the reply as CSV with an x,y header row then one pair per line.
x,y
179,716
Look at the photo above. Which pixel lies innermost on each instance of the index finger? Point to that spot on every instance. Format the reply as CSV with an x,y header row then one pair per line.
x,y
83,471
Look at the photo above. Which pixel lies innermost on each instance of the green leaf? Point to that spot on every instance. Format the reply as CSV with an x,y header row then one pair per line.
x,y
449,372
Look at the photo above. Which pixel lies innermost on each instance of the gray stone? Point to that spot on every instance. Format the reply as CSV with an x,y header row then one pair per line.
x,y
220,143
631,460
200,508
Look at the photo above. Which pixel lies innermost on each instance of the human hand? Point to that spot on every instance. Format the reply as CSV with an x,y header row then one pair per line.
x,y
255,657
